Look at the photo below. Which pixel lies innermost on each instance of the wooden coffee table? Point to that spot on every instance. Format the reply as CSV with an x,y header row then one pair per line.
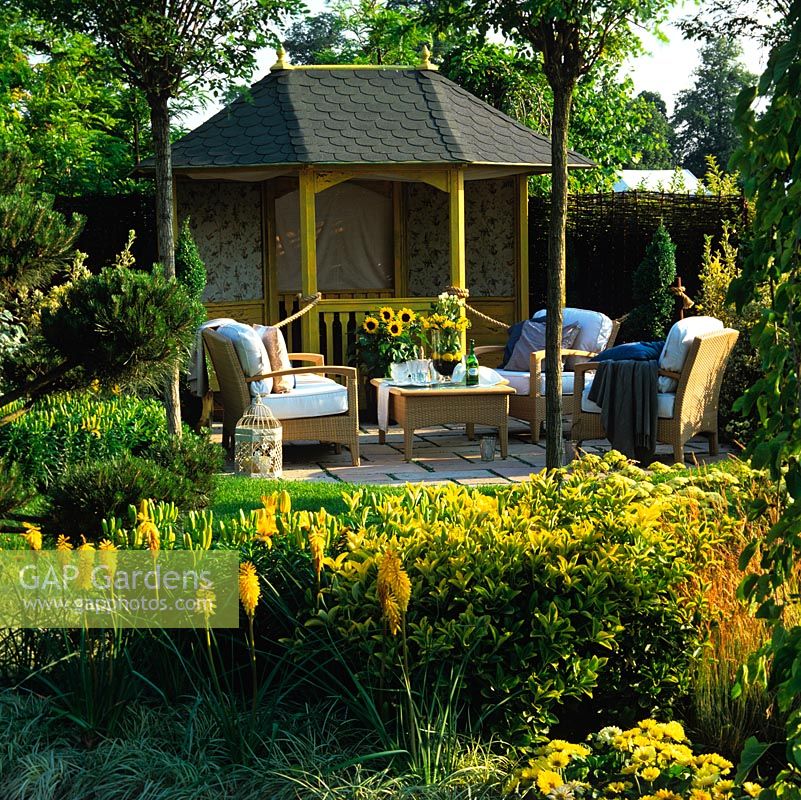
x,y
414,407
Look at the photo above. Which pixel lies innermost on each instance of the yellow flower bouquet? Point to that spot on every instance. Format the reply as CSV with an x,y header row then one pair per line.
x,y
386,337
443,328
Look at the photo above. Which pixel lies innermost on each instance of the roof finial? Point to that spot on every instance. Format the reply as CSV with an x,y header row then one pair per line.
x,y
425,59
283,60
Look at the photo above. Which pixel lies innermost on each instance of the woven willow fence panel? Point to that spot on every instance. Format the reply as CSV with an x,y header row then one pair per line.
x,y
607,235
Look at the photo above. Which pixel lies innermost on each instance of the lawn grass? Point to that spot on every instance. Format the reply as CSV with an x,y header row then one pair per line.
x,y
233,492
238,492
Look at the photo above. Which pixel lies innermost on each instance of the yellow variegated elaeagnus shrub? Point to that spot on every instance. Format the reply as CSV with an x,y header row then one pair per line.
x,y
567,596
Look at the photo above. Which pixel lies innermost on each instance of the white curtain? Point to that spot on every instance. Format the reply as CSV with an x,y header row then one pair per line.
x,y
354,239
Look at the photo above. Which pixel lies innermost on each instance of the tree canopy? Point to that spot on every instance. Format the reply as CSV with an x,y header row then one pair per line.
x,y
658,135
610,125
770,164
65,104
164,49
704,115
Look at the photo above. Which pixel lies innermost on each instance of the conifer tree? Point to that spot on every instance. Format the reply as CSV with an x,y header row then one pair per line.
x,y
653,313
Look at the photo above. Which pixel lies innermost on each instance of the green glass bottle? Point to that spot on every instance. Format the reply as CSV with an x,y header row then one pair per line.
x,y
471,366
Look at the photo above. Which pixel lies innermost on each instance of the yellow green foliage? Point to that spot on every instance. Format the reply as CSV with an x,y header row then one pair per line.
x,y
579,589
565,596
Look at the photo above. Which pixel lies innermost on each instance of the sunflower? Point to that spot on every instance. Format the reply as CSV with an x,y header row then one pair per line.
x,y
395,328
386,314
406,316
370,324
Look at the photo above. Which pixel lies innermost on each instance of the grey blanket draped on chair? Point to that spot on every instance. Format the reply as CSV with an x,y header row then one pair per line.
x,y
626,392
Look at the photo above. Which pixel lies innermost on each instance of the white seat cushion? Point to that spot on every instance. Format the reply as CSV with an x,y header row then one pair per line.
x,y
520,382
313,396
664,404
677,346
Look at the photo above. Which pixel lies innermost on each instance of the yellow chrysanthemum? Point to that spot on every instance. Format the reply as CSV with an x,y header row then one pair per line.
x,y
63,543
406,316
395,328
752,789
674,730
370,324
32,535
617,787
548,780
643,755
667,794
249,589
558,760
394,589
700,794
650,773
386,314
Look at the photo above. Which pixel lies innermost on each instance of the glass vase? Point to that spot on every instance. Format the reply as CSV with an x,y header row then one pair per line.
x,y
445,353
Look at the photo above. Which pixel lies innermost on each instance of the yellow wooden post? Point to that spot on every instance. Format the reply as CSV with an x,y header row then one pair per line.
x,y
309,325
457,230
522,247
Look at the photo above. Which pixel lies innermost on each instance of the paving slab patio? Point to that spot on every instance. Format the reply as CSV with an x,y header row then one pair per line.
x,y
442,454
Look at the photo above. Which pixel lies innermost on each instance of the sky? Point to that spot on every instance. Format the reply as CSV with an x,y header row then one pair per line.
x,y
666,68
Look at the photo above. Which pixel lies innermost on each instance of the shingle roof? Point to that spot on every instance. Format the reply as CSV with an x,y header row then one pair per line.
x,y
360,116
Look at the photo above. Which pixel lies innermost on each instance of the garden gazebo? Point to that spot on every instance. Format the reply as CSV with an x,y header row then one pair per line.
x,y
369,184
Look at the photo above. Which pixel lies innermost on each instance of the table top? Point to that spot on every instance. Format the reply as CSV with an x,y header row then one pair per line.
x,y
444,389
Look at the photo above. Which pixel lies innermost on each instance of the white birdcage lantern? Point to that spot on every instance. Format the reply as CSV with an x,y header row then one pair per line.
x,y
258,441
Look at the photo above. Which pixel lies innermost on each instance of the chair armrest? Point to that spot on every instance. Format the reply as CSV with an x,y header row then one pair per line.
x,y
668,374
538,356
350,373
579,371
535,366
313,358
489,348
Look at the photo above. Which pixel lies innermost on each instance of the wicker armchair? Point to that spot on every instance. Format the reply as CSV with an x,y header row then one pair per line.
x,y
337,428
695,406
530,407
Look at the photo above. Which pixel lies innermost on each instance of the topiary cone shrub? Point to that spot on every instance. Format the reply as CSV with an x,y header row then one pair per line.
x,y
652,315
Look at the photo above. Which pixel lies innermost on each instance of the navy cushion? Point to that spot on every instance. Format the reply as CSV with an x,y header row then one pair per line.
x,y
514,335
633,351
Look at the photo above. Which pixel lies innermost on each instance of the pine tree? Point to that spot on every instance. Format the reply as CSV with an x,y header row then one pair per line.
x,y
35,241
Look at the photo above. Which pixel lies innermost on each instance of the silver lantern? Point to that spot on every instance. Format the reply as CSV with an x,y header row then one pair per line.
x,y
258,441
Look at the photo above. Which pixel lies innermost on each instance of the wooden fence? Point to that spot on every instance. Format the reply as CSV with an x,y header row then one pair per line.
x,y
607,235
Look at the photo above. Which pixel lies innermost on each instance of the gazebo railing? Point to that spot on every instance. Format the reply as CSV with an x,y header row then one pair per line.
x,y
339,319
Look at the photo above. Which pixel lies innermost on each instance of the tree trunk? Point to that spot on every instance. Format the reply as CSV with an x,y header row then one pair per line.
x,y
555,297
160,122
